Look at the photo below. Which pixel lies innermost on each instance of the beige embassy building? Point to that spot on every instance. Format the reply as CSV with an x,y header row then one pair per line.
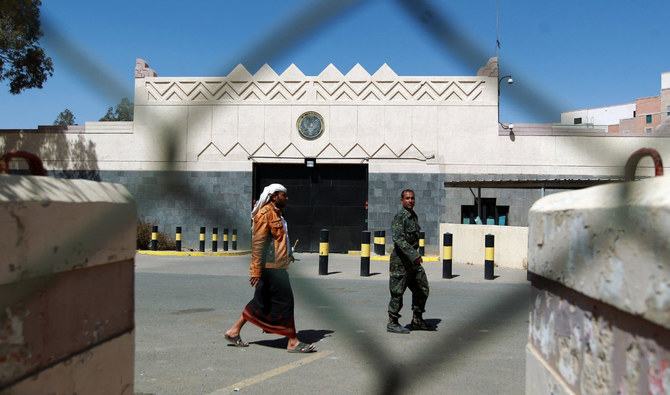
x,y
345,143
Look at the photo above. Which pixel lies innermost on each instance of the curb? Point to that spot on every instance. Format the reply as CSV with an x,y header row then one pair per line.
x,y
387,257
193,253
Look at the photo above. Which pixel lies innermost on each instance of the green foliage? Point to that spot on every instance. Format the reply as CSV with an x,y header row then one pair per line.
x,y
123,112
165,243
22,62
65,118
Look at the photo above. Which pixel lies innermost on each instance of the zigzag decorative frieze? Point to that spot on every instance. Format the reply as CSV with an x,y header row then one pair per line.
x,y
329,86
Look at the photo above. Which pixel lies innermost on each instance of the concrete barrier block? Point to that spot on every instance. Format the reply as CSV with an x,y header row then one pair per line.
x,y
511,244
609,242
600,306
66,286
53,225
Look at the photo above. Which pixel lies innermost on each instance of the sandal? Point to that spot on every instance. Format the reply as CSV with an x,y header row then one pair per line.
x,y
236,341
303,348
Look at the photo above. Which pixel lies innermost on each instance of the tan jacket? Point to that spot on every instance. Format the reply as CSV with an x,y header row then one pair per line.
x,y
268,244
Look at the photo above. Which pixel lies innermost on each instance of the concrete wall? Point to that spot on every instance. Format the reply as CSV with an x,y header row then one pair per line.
x,y
66,286
188,156
511,244
600,311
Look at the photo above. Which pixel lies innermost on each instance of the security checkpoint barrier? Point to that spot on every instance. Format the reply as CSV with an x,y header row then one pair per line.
x,y
600,312
511,249
66,297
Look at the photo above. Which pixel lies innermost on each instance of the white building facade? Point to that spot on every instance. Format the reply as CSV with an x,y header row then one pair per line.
x,y
200,150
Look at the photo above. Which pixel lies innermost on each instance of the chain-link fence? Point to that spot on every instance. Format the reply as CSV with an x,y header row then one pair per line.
x,y
392,377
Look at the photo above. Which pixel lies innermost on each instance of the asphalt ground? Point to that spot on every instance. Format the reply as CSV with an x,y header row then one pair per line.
x,y
185,304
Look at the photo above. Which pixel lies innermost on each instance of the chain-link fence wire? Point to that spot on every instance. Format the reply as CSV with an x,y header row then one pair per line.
x,y
393,377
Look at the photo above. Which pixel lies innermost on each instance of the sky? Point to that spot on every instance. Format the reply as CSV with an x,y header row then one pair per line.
x,y
563,55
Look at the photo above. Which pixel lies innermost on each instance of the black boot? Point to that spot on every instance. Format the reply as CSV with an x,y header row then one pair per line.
x,y
394,327
418,324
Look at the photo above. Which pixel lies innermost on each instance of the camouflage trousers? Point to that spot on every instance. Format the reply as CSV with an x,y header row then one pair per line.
x,y
403,276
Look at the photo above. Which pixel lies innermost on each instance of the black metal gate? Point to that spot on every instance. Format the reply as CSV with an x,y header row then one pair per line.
x,y
329,197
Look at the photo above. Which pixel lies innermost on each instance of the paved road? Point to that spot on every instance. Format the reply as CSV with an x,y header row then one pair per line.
x,y
184,305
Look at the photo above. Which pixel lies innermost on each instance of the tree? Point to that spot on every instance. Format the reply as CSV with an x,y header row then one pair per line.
x,y
123,112
65,118
22,62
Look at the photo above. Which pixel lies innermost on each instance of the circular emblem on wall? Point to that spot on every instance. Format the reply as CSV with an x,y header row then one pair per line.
x,y
310,125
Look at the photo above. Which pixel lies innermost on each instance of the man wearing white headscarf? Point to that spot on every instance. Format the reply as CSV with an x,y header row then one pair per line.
x,y
272,307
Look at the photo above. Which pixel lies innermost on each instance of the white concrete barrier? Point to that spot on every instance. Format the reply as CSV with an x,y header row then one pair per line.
x,y
66,286
511,244
600,298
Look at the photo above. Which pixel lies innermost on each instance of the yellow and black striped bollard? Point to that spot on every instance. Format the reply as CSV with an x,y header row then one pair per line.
x,y
323,252
225,239
178,239
365,253
233,240
154,238
215,239
447,243
380,242
489,252
422,243
202,239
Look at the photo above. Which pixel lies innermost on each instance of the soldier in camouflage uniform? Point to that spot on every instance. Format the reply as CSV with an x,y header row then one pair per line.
x,y
405,267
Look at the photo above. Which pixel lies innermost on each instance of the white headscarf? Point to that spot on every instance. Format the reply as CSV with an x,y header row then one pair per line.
x,y
265,196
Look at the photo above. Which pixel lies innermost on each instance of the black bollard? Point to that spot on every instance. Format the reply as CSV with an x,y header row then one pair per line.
x,y
154,238
447,255
178,239
202,239
489,252
225,239
234,240
380,242
422,243
365,253
323,252
215,238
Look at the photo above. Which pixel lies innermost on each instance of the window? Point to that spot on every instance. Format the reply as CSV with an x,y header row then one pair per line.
x,y
634,113
491,214
668,108
578,121
648,118
649,130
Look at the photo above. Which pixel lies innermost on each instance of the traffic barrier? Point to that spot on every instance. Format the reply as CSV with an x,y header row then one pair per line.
x,y
380,242
365,253
202,239
422,243
154,238
323,252
447,244
215,238
489,253
177,238
225,239
234,240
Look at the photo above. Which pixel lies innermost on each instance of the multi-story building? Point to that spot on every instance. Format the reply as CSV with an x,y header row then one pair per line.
x,y
645,115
